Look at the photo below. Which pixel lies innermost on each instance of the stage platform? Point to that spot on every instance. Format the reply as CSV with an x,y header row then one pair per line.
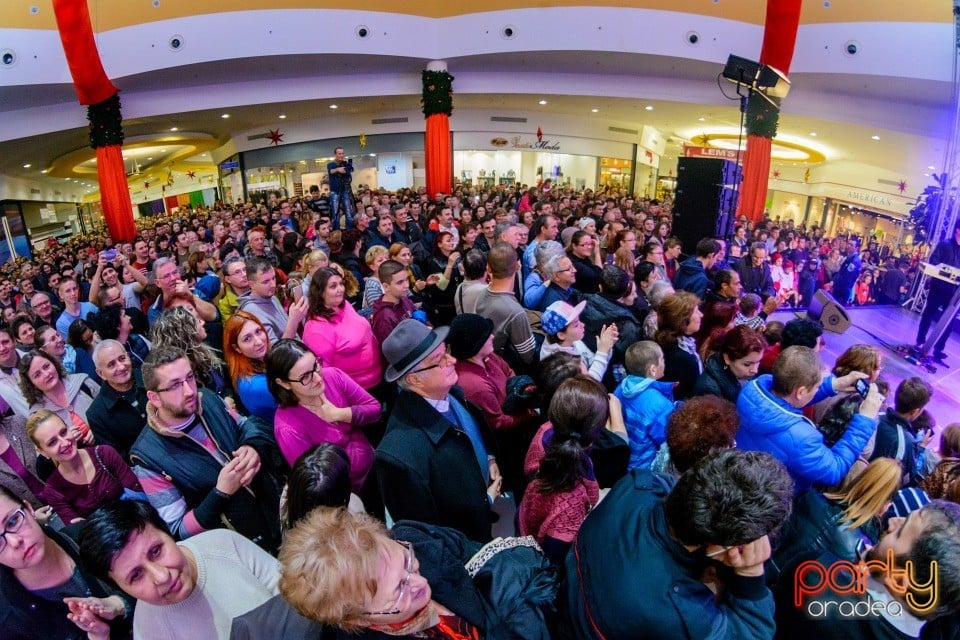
x,y
888,327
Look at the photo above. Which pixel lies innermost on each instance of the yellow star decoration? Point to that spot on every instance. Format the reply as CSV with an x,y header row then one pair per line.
x,y
363,140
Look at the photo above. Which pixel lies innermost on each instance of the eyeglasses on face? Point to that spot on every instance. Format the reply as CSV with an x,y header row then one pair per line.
x,y
308,376
15,521
409,559
177,385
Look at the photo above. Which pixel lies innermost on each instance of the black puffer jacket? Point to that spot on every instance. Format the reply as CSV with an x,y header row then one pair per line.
x,y
506,588
717,379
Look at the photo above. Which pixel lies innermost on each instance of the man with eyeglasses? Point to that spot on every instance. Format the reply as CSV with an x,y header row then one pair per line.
x,y
198,467
559,270
436,463
168,279
42,307
235,285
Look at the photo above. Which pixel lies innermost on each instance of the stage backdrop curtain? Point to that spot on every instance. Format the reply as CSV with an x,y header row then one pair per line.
x,y
779,42
438,154
115,194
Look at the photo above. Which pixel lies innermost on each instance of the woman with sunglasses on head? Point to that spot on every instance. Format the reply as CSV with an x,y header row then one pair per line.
x,y
45,592
319,404
416,580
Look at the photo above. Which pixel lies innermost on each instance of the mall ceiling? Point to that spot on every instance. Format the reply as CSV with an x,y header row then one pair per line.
x,y
846,111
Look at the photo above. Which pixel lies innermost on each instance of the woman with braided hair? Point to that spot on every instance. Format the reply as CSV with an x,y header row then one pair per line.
x,y
564,487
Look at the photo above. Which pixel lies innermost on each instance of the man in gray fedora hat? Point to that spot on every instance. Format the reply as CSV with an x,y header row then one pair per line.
x,y
436,461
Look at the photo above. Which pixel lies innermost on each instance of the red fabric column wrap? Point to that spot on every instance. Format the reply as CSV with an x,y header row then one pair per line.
x,y
438,154
115,194
779,42
76,34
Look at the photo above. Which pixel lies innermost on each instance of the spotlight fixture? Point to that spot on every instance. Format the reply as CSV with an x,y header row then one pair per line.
x,y
649,107
543,102
224,115
174,129
282,116
27,165
333,106
874,137
594,110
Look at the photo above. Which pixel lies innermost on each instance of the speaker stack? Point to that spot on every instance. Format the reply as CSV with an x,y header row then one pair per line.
x,y
705,202
828,312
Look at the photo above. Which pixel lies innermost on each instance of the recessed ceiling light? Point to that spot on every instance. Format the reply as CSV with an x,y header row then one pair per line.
x,y
595,110
649,107
43,171
67,179
932,168
333,106
282,116
149,158
27,166
701,119
543,102
224,115
163,150
874,137
813,133
174,129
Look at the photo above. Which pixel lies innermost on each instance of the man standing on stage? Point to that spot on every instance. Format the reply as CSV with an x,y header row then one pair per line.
x,y
341,175
946,252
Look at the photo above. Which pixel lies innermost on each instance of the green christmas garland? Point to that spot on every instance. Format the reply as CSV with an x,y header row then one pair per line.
x,y
437,93
762,117
106,123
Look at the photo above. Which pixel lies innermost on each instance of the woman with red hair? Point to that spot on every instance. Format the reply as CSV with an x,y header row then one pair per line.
x,y
245,348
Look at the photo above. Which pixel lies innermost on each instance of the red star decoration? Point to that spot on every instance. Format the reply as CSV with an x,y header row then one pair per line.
x,y
539,134
776,173
191,174
902,186
146,185
276,137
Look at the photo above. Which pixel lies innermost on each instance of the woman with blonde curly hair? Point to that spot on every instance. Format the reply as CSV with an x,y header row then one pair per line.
x,y
678,319
180,327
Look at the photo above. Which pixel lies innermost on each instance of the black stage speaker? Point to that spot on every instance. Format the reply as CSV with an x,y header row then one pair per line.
x,y
705,202
828,312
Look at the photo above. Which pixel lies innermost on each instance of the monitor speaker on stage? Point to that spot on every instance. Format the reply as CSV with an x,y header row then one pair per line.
x,y
828,312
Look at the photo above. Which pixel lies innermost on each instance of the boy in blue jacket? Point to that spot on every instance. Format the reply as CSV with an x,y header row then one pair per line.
x,y
647,403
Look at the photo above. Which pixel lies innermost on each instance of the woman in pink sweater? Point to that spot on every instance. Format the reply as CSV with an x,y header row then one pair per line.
x,y
319,404
337,334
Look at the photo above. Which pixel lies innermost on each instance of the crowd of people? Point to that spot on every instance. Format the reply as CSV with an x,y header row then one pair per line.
x,y
274,420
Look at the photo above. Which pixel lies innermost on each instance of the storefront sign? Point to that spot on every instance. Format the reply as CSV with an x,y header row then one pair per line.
x,y
709,152
869,197
230,164
523,144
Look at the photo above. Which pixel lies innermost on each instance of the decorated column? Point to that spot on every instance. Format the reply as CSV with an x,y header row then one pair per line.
x,y
779,40
99,95
437,107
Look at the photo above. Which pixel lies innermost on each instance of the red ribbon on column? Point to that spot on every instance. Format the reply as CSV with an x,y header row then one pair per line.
x,y
779,42
438,155
76,34
115,194
94,89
